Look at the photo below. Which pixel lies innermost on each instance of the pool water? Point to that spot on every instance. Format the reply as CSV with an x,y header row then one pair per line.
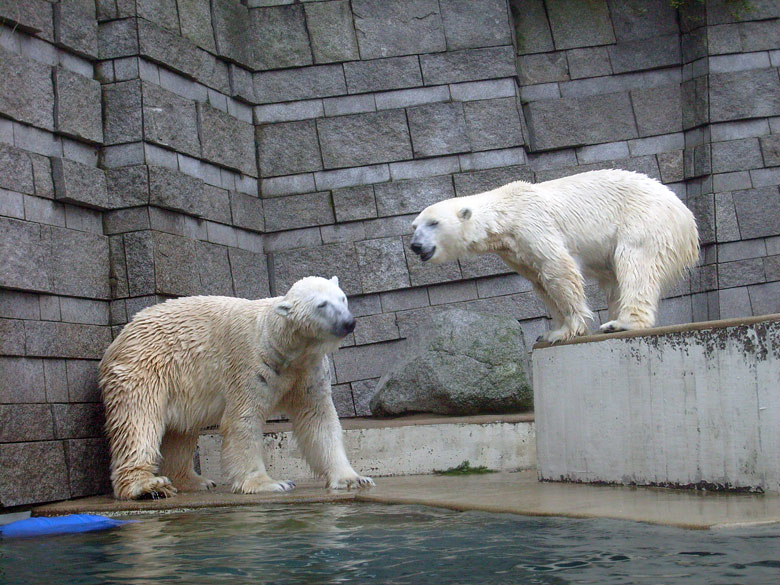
x,y
358,543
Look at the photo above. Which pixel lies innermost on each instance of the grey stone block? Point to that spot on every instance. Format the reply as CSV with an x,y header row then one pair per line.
x,y
78,263
468,65
12,337
68,340
19,305
362,391
755,212
658,110
11,204
502,285
602,152
412,196
33,16
326,261
364,139
127,186
77,109
341,395
695,100
415,169
122,112
722,11
170,120
362,362
741,273
480,181
76,28
438,129
86,311
401,27
163,13
733,303
642,19
412,97
213,267
289,185
770,148
404,300
247,211
301,110
650,53
299,84
354,203
27,91
241,84
579,24
117,38
331,31
80,184
588,62
574,121
656,144
671,166
743,250
772,268
472,24
288,148
363,305
230,20
727,228
43,211
738,62
21,379
542,68
54,370
35,472
16,170
250,274
133,267
175,270
88,472
744,94
350,232
532,29
25,248
383,74
162,46
492,159
78,420
375,329
765,177
760,35
226,140
279,38
296,211
493,124
452,292
82,379
736,155
26,422
483,90
356,104
195,22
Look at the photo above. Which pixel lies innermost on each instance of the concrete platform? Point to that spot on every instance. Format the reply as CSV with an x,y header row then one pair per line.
x,y
690,405
515,493
407,445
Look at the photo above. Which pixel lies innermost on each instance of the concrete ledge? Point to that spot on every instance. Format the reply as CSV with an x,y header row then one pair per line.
x,y
686,406
399,446
514,493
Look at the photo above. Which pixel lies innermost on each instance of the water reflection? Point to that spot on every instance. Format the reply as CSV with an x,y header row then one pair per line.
x,y
327,543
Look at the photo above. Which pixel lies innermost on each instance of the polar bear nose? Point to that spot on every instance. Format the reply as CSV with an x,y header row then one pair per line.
x,y
349,325
416,248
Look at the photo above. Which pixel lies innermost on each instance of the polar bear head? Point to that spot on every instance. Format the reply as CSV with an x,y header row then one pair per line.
x,y
318,307
441,231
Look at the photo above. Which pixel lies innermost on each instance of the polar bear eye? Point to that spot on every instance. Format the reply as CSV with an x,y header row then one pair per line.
x,y
433,223
322,305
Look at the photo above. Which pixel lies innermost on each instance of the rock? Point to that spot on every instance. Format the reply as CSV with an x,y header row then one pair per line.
x,y
462,363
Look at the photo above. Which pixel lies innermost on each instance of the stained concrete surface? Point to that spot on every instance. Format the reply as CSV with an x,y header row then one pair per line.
x,y
515,493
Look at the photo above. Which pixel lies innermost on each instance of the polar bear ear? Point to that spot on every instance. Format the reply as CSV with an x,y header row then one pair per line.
x,y
464,213
283,308
335,280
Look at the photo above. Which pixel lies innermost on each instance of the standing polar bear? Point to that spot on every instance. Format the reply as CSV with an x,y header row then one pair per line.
x,y
198,361
625,229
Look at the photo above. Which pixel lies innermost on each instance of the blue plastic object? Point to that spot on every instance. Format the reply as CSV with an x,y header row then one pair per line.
x,y
59,525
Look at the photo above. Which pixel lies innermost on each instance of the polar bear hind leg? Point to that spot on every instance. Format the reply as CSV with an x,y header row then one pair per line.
x,y
177,451
638,286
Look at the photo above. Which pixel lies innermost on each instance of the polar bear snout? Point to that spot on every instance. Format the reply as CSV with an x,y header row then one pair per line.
x,y
345,327
424,252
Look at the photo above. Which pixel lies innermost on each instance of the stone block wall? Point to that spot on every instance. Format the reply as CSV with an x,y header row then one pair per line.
x,y
157,148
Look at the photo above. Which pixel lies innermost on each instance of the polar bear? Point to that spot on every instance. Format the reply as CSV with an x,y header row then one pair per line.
x,y
628,231
205,360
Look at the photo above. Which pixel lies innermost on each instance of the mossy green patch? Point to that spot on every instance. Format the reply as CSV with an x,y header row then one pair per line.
x,y
464,468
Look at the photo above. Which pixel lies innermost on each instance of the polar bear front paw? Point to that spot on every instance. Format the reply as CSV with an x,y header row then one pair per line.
x,y
194,483
262,484
349,482
614,327
153,487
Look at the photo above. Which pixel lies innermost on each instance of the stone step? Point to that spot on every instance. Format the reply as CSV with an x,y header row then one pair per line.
x,y
410,445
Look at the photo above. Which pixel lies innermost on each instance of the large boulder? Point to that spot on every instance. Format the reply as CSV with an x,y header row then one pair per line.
x,y
461,363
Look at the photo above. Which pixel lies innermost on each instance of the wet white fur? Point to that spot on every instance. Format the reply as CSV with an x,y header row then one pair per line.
x,y
198,361
625,229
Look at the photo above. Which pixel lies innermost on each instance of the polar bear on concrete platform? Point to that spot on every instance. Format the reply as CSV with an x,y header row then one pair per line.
x,y
198,361
625,229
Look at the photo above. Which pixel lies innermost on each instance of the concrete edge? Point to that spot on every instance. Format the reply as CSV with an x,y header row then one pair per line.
x,y
656,331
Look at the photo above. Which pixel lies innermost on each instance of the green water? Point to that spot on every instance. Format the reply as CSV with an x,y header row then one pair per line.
x,y
361,543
